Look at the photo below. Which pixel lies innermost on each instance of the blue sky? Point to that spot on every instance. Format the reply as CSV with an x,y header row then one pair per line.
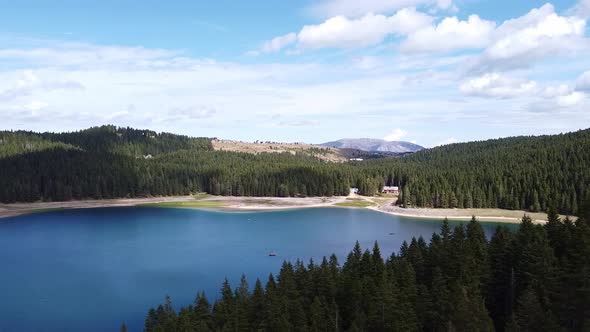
x,y
428,71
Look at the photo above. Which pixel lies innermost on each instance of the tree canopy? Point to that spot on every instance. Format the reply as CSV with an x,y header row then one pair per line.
x,y
533,279
526,173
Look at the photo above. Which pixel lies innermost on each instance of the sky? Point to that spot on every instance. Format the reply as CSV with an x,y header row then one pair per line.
x,y
430,72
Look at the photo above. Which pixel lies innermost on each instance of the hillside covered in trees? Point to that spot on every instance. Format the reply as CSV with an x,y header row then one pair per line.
x,y
517,173
530,173
534,279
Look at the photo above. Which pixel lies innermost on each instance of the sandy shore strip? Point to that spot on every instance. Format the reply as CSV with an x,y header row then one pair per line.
x,y
15,209
490,215
230,203
226,203
385,205
274,203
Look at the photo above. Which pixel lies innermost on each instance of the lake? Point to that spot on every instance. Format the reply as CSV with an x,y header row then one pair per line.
x,y
91,269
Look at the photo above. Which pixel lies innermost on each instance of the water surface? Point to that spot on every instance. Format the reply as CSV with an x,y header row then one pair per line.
x,y
91,269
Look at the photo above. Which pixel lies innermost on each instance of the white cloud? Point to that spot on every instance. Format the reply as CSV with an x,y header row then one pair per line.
x,y
571,99
450,34
35,106
444,4
514,44
371,29
501,86
396,135
76,54
298,123
553,91
498,86
187,114
538,34
582,9
356,8
583,82
278,43
30,82
368,62
173,92
342,32
180,92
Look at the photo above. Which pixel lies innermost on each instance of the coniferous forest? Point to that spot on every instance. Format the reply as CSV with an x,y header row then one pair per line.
x,y
528,173
534,279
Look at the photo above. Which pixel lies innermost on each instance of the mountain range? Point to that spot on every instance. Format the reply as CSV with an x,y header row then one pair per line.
x,y
374,145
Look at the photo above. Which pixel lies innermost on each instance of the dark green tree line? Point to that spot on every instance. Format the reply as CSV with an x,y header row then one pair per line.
x,y
533,279
526,173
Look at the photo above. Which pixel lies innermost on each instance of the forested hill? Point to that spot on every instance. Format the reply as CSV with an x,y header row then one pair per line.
x,y
111,162
105,139
528,172
531,173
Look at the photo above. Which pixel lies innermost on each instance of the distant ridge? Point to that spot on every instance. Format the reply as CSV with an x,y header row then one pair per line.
x,y
374,145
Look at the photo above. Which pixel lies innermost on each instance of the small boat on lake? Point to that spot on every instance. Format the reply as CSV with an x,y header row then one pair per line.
x,y
272,253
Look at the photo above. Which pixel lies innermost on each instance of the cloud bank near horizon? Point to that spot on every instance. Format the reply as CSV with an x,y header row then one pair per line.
x,y
395,69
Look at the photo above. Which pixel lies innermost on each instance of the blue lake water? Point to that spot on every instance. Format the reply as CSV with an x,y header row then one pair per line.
x,y
91,269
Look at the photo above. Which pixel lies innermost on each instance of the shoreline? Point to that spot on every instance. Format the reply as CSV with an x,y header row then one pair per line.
x,y
416,213
17,209
253,204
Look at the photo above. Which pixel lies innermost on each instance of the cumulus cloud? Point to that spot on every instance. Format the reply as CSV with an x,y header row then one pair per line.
x,y
30,82
514,44
187,113
571,99
583,82
164,94
278,43
396,135
544,98
581,9
555,91
298,123
368,62
76,54
538,34
566,106
174,92
35,105
356,8
346,33
495,85
450,34
371,29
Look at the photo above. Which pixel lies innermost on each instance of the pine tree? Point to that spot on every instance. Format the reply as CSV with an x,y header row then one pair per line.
x,y
258,308
500,292
530,315
477,253
224,312
440,311
317,318
514,283
202,313
242,302
468,310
